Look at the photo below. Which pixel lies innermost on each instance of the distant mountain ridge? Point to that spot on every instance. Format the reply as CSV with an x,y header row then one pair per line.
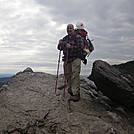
x,y
5,75
3,80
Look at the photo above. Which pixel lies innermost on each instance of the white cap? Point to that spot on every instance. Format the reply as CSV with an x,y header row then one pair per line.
x,y
79,25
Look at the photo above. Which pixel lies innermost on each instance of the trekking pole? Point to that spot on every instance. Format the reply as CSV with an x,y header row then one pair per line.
x,y
67,57
57,70
66,62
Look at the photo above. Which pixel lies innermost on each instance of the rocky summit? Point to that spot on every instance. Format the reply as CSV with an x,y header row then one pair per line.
x,y
30,105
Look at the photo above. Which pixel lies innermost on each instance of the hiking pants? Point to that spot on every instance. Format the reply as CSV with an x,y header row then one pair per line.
x,y
72,74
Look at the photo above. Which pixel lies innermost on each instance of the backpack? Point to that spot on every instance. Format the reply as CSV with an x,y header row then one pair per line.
x,y
88,46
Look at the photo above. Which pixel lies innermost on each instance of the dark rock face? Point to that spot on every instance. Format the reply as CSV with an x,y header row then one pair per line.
x,y
29,105
113,83
127,67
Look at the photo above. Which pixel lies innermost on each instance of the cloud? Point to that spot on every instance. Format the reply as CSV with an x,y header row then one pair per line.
x,y
30,30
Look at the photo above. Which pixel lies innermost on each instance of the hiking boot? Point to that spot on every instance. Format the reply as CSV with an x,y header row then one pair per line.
x,y
75,98
70,91
61,87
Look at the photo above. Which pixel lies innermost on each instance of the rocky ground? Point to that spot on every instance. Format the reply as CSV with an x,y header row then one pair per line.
x,y
29,105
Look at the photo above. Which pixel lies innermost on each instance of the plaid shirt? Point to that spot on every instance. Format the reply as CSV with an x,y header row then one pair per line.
x,y
76,42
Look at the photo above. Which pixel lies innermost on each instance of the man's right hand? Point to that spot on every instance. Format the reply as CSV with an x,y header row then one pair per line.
x,y
68,45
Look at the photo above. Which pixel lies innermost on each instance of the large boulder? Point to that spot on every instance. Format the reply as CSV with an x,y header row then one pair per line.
x,y
116,85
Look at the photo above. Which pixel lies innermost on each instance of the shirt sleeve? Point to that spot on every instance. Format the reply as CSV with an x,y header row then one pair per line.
x,y
62,46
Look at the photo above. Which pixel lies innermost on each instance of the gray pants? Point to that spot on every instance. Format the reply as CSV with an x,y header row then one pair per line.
x,y
72,74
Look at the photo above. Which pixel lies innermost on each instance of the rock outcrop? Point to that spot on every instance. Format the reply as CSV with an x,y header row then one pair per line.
x,y
116,85
29,105
127,67
28,69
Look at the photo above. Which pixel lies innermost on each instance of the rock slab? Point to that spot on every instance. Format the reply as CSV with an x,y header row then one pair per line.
x,y
116,85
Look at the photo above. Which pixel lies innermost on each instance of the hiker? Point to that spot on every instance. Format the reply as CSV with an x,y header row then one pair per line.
x,y
80,30
72,46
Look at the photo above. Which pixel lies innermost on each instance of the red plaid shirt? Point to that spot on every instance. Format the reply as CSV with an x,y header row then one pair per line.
x,y
76,42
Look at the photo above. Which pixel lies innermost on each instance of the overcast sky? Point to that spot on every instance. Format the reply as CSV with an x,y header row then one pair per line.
x,y
30,31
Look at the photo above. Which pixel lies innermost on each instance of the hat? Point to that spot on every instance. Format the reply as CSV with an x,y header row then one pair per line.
x,y
79,25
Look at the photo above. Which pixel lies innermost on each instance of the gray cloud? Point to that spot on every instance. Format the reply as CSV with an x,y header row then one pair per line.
x,y
30,30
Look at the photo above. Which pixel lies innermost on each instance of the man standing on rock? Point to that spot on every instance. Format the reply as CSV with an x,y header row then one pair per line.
x,y
72,47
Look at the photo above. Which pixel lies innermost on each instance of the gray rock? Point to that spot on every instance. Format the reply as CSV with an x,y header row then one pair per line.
x,y
127,67
4,87
30,106
114,116
113,83
28,69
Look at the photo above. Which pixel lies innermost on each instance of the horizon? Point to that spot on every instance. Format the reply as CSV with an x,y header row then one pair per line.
x,y
83,74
